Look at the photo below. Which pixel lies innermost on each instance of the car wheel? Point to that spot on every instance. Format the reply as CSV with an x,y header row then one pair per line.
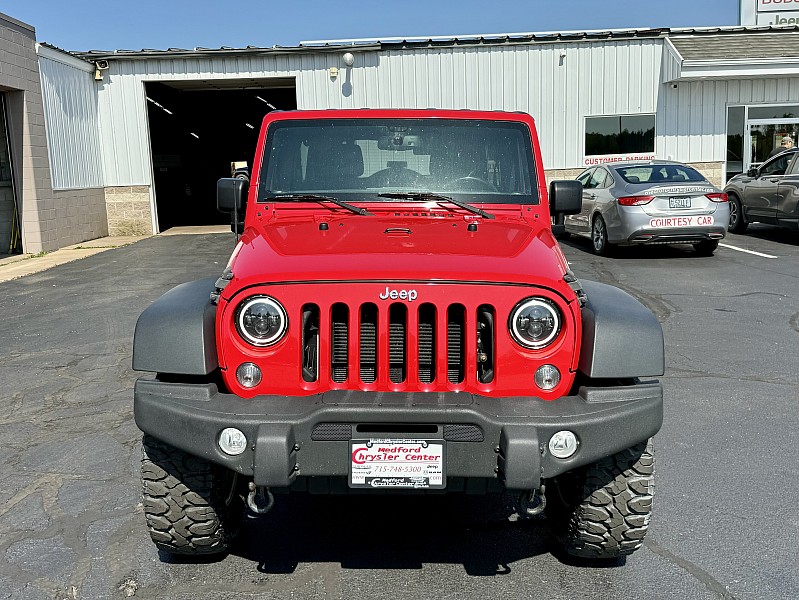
x,y
602,511
190,505
599,237
738,222
706,247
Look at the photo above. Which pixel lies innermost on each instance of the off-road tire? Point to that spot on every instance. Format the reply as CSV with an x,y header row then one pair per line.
x,y
602,511
738,222
190,505
706,247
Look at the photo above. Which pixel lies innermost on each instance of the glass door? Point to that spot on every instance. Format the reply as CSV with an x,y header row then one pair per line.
x,y
770,137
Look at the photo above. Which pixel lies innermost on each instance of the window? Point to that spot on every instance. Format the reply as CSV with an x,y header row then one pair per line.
x,y
585,177
629,134
776,166
360,159
774,112
598,179
735,140
669,173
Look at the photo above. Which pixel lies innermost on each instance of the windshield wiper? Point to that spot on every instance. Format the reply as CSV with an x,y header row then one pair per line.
x,y
320,198
437,197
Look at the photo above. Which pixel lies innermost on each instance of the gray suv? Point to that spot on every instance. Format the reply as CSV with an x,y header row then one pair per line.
x,y
766,194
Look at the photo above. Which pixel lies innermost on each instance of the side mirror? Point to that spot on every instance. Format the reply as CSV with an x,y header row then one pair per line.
x,y
752,172
231,194
565,197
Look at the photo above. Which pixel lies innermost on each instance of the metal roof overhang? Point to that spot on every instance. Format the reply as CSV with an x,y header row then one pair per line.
x,y
246,83
697,70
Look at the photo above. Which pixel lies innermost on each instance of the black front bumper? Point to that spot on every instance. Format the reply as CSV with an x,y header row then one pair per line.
x,y
491,438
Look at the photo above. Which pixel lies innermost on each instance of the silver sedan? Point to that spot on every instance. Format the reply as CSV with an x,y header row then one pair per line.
x,y
653,202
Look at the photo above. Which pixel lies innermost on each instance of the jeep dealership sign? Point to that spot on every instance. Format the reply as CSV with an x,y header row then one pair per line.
x,y
769,12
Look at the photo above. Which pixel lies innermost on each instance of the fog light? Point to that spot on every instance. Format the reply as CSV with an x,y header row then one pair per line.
x,y
563,444
547,377
248,375
232,441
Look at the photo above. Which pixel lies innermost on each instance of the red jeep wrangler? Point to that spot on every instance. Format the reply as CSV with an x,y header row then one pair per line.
x,y
398,316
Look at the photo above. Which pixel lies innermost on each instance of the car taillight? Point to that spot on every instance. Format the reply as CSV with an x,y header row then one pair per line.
x,y
722,197
635,200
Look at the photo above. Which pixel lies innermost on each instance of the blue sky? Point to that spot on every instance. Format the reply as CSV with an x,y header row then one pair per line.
x,y
137,24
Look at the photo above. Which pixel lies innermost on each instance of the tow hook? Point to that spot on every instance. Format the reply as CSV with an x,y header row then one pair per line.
x,y
527,499
254,499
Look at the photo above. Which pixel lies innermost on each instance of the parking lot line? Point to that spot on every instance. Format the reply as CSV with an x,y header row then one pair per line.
x,y
748,251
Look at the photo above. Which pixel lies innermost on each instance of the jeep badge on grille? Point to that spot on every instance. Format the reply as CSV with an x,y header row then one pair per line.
x,y
409,295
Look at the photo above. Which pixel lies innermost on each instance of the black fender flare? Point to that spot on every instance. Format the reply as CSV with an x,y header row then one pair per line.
x,y
176,333
621,338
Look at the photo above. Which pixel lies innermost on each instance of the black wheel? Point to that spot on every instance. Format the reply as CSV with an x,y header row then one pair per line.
x,y
191,506
706,247
602,511
738,222
599,237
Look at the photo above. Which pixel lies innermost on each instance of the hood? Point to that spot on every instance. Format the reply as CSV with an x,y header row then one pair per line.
x,y
396,246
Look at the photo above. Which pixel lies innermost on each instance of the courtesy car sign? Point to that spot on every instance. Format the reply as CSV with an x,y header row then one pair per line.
x,y
699,220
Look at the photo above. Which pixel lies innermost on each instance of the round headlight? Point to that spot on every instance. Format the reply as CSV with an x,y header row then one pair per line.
x,y
261,320
535,323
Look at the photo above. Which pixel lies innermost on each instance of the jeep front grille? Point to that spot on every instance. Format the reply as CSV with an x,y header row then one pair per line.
x,y
402,342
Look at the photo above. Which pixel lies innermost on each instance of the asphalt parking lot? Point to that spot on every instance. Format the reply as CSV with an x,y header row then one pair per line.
x,y
724,526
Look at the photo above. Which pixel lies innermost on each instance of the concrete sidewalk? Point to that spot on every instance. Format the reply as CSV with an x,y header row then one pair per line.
x,y
20,265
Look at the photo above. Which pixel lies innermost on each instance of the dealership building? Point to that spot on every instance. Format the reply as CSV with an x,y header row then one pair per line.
x,y
132,142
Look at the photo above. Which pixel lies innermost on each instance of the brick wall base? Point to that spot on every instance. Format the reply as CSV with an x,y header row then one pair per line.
x,y
128,209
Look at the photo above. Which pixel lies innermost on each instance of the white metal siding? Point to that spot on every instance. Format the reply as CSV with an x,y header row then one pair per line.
x,y
123,105
559,83
71,116
592,78
693,116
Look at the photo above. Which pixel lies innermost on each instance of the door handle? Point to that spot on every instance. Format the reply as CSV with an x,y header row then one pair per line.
x,y
773,179
590,196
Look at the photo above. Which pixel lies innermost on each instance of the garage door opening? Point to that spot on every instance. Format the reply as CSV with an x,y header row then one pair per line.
x,y
197,129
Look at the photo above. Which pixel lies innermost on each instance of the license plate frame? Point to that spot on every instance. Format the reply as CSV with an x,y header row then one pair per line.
x,y
398,464
679,202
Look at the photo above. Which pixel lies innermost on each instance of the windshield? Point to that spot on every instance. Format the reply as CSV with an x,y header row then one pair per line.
x,y
659,174
357,159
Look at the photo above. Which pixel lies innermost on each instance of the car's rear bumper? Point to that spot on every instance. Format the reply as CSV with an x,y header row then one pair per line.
x,y
676,235
634,226
493,438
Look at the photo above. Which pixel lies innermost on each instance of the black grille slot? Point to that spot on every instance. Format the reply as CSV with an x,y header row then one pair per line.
x,y
427,343
397,341
368,343
485,344
339,342
310,342
396,428
463,433
331,432
455,343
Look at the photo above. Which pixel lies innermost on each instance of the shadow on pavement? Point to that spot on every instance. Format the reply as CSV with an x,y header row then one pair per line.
x,y
770,233
654,252
393,532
